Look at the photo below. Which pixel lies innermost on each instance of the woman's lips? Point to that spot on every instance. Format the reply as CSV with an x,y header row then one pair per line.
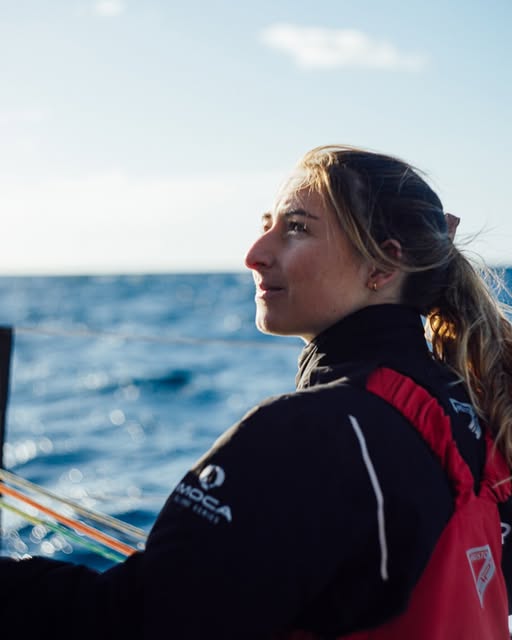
x,y
266,291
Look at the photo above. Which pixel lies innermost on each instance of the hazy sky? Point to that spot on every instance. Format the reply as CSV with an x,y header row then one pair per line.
x,y
149,135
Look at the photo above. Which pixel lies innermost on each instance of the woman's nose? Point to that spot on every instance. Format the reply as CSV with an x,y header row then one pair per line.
x,y
261,254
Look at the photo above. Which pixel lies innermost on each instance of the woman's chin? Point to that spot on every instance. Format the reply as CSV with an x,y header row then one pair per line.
x,y
266,325
264,328
274,326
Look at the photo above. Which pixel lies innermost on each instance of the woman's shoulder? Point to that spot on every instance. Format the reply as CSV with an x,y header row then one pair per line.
x,y
317,412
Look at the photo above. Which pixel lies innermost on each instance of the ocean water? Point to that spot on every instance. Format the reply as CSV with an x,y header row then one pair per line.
x,y
119,383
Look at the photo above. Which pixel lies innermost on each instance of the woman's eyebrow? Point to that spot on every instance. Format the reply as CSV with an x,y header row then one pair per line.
x,y
300,212
267,216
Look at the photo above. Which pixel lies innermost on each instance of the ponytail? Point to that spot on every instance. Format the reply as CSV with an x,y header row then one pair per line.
x,y
471,334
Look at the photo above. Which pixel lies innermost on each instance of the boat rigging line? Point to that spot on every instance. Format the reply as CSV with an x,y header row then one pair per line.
x,y
65,532
106,520
72,524
134,337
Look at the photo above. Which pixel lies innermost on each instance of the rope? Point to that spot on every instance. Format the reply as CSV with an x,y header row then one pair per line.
x,y
91,333
109,521
93,533
57,528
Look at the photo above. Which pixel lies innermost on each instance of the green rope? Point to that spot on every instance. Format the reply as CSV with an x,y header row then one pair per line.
x,y
65,532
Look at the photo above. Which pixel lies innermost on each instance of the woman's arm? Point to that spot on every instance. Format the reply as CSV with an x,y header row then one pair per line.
x,y
276,518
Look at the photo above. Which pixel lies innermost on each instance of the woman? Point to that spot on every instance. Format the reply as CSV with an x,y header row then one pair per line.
x,y
365,505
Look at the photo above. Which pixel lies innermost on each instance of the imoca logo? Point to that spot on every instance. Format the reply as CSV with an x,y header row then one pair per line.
x,y
211,476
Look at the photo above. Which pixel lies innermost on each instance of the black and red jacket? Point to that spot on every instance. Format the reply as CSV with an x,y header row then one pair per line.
x,y
280,527
464,572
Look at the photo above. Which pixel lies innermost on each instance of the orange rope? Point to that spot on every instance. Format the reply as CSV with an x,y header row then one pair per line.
x,y
93,533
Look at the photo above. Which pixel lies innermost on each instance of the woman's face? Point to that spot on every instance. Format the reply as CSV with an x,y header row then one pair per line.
x,y
306,272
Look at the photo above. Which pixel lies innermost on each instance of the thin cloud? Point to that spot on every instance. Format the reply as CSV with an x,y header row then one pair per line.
x,y
322,48
109,8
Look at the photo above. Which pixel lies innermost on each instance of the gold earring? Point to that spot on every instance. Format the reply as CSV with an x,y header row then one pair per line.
x,y
372,286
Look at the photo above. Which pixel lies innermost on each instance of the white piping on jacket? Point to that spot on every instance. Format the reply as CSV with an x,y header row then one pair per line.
x,y
378,494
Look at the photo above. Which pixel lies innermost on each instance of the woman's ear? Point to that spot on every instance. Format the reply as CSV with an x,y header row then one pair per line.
x,y
380,278
392,248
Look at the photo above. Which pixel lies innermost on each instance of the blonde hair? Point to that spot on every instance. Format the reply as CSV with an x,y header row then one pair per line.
x,y
377,197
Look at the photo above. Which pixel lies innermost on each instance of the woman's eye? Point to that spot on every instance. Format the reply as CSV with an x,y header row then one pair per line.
x,y
295,226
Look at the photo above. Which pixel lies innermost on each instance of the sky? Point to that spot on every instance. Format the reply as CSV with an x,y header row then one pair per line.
x,y
149,135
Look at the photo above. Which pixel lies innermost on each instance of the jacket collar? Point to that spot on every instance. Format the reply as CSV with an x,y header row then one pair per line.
x,y
377,334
